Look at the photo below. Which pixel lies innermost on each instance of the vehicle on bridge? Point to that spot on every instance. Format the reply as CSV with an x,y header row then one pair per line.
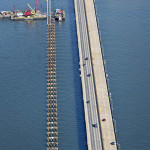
x,y
94,125
112,143
87,102
86,58
89,75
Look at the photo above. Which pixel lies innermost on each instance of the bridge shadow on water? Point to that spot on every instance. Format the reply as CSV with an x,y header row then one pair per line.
x,y
82,138
71,121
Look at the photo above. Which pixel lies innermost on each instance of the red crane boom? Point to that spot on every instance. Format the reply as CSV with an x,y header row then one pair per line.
x,y
36,5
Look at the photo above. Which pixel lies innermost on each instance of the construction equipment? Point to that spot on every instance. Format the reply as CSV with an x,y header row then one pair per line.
x,y
60,14
32,10
36,5
28,13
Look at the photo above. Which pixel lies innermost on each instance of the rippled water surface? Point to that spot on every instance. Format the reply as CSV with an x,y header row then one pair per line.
x,y
125,32
125,36
23,82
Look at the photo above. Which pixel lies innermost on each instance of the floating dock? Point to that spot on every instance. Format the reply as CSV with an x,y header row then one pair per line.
x,y
97,106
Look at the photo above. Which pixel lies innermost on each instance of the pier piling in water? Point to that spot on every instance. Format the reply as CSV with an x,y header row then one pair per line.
x,y
52,129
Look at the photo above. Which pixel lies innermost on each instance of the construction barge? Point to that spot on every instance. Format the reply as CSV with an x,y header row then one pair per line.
x,y
20,15
17,15
31,14
28,14
36,16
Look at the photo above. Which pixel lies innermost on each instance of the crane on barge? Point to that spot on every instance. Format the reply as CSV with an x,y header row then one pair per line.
x,y
32,11
29,14
36,5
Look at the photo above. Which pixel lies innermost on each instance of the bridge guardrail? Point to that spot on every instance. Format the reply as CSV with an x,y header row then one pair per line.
x,y
107,80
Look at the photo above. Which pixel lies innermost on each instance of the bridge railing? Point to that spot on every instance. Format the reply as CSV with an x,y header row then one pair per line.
x,y
107,80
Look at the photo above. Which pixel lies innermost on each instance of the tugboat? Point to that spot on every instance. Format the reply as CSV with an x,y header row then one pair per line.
x,y
59,15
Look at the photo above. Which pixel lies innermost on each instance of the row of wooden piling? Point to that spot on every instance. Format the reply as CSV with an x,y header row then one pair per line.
x,y
52,129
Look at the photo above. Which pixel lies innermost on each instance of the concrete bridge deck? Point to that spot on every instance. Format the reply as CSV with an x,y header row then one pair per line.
x,y
95,93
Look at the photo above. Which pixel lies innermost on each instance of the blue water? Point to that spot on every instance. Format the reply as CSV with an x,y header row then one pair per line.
x,y
125,33
72,135
23,83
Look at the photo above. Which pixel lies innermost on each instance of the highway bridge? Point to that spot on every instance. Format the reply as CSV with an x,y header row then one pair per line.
x,y
94,136
98,114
